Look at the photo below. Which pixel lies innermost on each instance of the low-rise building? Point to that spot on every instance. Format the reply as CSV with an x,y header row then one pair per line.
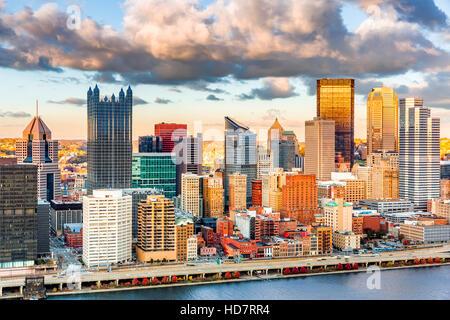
x,y
383,206
346,240
425,231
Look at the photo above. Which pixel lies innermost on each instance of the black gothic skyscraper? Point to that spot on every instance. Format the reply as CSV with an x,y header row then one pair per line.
x,y
109,147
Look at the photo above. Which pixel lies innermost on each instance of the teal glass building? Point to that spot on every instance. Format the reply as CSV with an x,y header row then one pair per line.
x,y
155,170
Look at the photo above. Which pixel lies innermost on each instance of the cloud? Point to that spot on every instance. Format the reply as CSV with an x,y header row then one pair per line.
x,y
184,43
138,101
14,114
175,90
162,101
212,97
435,90
74,101
273,88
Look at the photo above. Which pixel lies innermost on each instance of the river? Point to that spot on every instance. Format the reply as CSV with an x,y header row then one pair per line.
x,y
414,283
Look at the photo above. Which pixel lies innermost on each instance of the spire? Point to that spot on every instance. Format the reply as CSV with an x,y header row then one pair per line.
x,y
96,90
37,108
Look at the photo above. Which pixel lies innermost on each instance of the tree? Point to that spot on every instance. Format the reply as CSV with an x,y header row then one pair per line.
x,y
228,275
416,261
437,260
430,260
164,260
423,261
286,271
406,242
151,261
339,267
295,270
237,275
174,279
165,280
355,266
135,282
145,282
155,281
302,270
348,266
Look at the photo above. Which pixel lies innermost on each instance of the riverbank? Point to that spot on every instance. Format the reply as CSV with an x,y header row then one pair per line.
x,y
243,278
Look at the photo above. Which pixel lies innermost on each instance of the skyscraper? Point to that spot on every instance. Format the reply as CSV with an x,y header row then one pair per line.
x,y
109,146
192,194
150,144
382,120
156,230
18,217
107,228
213,197
319,148
275,133
37,147
335,101
169,132
238,191
283,154
240,154
419,169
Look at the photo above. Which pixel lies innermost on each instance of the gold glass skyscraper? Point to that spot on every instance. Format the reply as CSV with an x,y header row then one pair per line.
x,y
382,120
336,101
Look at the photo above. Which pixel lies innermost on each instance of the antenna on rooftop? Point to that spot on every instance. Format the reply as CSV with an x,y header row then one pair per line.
x,y
37,108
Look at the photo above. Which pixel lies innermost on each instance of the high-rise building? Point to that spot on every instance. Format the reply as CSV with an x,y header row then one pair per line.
x,y
419,153
194,154
137,195
213,197
192,194
184,231
382,120
275,133
299,198
338,215
109,145
240,154
256,193
238,191
18,217
336,101
169,132
43,227
264,162
37,147
319,146
150,144
107,233
155,170
384,175
283,154
64,212
157,238
271,189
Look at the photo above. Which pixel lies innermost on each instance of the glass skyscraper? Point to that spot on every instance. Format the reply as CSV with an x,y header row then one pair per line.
x,y
419,164
336,101
240,155
156,170
109,146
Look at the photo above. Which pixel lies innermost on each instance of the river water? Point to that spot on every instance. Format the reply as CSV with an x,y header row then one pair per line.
x,y
414,283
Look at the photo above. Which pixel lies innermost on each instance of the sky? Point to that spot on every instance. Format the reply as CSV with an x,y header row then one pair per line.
x,y
195,62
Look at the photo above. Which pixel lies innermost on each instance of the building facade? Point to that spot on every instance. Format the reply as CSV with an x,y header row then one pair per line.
x,y
336,101
107,230
419,169
109,145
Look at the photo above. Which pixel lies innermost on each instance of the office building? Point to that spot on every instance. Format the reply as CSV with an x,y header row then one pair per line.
x,y
169,132
319,145
256,193
284,154
109,145
237,191
43,227
106,228
274,134
137,195
157,238
346,241
150,144
213,197
382,120
37,147
425,231
336,101
155,171
64,212
299,198
240,155
441,208
271,189
192,194
384,175
18,217
324,239
264,162
338,215
184,231
419,169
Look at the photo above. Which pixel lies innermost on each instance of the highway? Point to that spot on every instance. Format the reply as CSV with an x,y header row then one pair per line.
x,y
246,266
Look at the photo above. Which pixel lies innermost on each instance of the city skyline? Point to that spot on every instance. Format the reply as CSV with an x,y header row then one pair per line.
x,y
256,85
